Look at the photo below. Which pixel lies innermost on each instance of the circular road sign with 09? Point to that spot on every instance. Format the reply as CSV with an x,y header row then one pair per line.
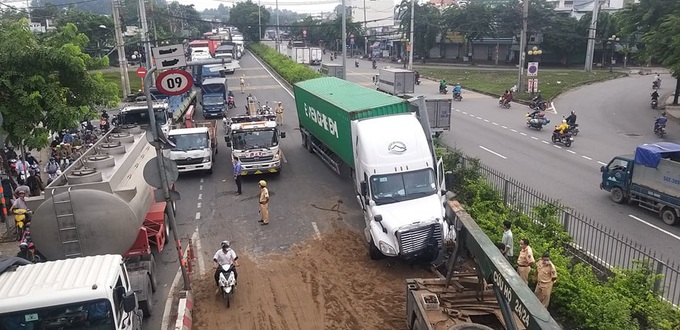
x,y
174,82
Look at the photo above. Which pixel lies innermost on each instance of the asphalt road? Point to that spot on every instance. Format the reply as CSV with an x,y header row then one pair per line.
x,y
302,196
614,118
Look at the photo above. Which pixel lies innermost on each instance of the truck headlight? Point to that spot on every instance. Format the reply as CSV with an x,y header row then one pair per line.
x,y
277,155
387,249
206,159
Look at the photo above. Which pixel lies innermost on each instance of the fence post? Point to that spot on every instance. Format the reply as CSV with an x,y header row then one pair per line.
x,y
506,187
567,220
659,271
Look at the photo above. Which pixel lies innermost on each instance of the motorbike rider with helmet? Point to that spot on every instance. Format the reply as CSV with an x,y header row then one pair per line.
x,y
442,85
457,89
571,120
225,257
660,121
655,96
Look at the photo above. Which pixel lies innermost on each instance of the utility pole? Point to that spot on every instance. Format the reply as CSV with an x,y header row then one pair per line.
x,y
28,11
592,31
259,20
344,40
365,30
145,35
410,42
278,41
122,60
523,45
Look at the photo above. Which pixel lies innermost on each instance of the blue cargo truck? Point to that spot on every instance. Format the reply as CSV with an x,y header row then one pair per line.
x,y
650,178
214,97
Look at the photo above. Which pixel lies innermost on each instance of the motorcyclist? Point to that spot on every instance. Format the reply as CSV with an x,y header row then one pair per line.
x,y
417,76
655,96
32,161
660,121
457,89
231,94
10,153
442,85
507,97
571,120
356,62
224,257
657,80
538,101
561,128
375,64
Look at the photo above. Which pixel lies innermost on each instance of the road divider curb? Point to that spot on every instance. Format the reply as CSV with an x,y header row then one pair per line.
x,y
184,310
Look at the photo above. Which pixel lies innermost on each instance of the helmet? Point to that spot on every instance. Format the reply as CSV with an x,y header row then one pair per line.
x,y
225,244
572,112
663,114
564,120
263,183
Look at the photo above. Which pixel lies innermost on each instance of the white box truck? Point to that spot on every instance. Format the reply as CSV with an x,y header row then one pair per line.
x,y
315,56
396,81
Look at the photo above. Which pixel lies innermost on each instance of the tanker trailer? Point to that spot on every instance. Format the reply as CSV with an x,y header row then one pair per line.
x,y
102,205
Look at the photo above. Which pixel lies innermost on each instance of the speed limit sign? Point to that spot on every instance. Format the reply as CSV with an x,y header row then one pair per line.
x,y
174,82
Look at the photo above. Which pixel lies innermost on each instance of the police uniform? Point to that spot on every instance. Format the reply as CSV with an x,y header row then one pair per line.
x,y
547,274
264,203
524,262
279,114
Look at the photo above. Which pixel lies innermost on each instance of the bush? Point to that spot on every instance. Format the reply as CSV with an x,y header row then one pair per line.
x,y
288,69
580,300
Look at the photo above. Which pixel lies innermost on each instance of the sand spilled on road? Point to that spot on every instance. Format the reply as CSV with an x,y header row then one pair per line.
x,y
320,284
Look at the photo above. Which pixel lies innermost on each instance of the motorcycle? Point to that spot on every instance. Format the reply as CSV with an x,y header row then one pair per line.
x,y
566,138
27,249
227,283
457,97
503,104
537,104
375,65
356,63
416,80
660,130
21,221
656,84
573,129
536,123
655,103
13,167
443,90
231,103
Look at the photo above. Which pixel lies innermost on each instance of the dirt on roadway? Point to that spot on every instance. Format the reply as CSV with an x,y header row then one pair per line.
x,y
329,283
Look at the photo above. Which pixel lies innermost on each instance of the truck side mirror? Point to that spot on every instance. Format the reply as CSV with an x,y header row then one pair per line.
x,y
129,302
283,135
602,169
228,144
227,139
364,188
377,218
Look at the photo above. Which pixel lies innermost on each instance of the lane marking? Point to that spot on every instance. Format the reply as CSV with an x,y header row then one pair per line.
x,y
525,134
571,152
480,118
317,233
471,115
586,157
655,227
198,206
495,124
486,120
601,163
198,216
534,138
514,130
556,146
546,142
202,180
465,113
200,187
493,152
200,196
505,127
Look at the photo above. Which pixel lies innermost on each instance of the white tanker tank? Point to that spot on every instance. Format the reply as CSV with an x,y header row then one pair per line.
x,y
98,204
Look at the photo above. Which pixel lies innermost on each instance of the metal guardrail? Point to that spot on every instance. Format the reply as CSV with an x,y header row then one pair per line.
x,y
595,244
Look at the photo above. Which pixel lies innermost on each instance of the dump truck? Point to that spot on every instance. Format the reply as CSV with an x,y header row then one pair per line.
x,y
255,140
79,293
477,288
214,97
195,144
379,142
102,205
650,178
396,81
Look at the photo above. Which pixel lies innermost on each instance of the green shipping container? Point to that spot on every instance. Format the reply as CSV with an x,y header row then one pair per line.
x,y
326,106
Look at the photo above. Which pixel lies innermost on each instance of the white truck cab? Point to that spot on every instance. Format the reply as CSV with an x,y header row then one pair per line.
x,y
138,114
400,195
192,150
79,293
255,141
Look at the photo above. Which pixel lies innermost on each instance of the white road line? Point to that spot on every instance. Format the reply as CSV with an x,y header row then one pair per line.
x,y
471,115
601,163
317,233
198,206
200,196
546,142
202,180
525,134
198,216
165,322
486,120
200,187
554,107
495,124
514,130
457,110
480,118
272,75
196,238
535,138
556,146
465,113
571,152
655,227
493,152
586,157
505,127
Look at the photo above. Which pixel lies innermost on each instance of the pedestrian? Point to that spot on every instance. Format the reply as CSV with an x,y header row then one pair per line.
x,y
264,203
525,259
243,83
546,275
237,175
507,240
279,114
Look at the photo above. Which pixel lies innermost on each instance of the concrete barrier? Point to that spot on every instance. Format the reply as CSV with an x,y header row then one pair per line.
x,y
184,310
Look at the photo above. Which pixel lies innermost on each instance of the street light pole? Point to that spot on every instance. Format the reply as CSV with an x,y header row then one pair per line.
x,y
278,40
344,40
145,35
610,42
410,53
365,30
259,20
120,46
522,44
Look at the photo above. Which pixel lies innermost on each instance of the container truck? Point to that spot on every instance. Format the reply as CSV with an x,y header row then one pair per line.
x,y
195,145
102,205
255,140
211,45
214,97
315,56
80,293
650,178
397,179
331,70
396,81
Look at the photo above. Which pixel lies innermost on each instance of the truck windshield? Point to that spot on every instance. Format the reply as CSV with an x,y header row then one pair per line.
x,y
390,188
89,315
185,142
255,139
213,100
141,117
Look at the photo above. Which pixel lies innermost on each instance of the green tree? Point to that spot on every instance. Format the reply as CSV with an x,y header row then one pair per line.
x,y
563,39
427,25
45,85
474,21
244,16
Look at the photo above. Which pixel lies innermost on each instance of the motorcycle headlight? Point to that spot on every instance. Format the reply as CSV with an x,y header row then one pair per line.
x,y
387,249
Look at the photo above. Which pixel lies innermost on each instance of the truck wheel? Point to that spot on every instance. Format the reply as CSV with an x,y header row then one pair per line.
x,y
304,140
167,230
373,251
617,195
668,216
147,305
210,171
309,144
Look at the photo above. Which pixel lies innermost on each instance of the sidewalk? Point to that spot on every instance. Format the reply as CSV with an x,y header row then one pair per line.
x,y
672,111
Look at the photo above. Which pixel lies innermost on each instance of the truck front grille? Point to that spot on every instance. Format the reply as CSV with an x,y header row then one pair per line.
x,y
417,239
256,159
189,161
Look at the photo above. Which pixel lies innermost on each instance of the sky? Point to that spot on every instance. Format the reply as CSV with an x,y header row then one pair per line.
x,y
300,6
